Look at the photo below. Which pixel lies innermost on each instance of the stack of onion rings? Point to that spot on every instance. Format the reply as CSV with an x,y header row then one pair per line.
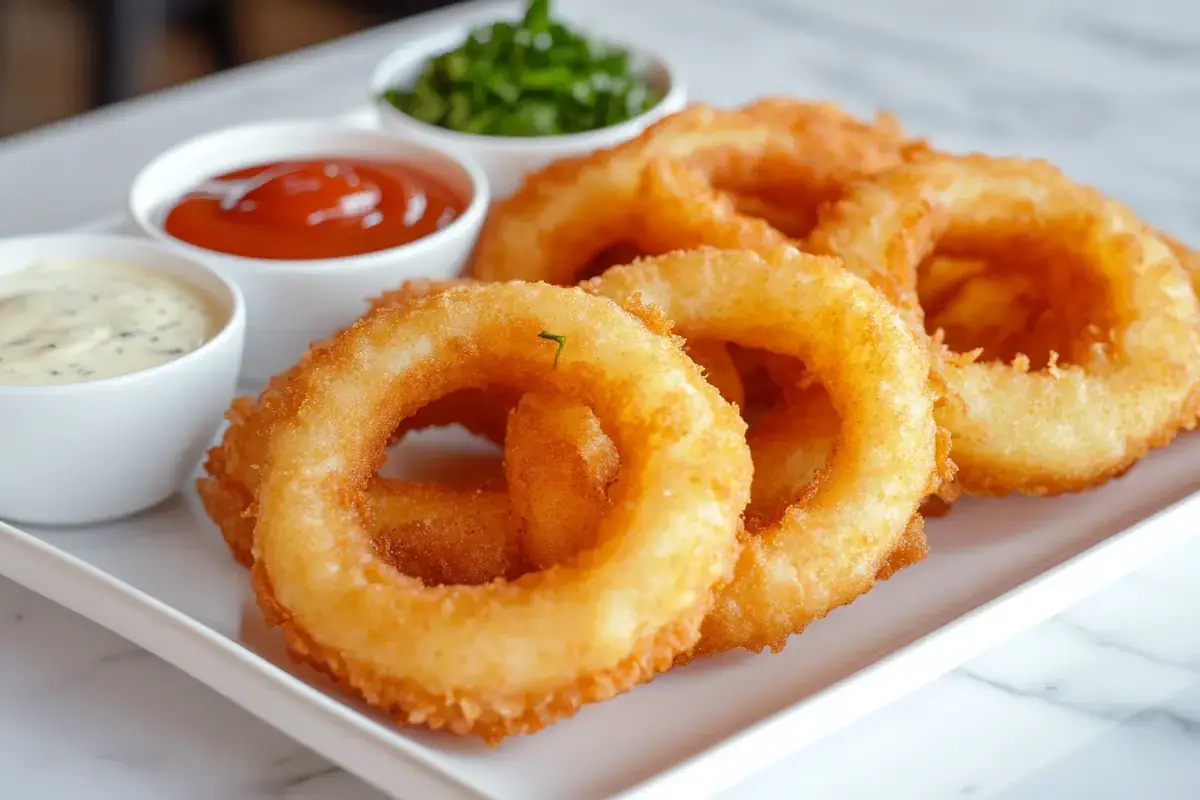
x,y
504,657
555,453
625,534
834,538
775,156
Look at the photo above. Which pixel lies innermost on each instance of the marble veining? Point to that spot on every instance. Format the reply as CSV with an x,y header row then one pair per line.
x,y
1102,702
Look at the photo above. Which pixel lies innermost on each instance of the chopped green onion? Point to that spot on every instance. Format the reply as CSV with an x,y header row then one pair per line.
x,y
536,77
503,88
546,78
537,15
459,113
560,339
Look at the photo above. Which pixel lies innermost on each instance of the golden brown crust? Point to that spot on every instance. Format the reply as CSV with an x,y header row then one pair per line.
x,y
1189,259
680,184
1016,429
791,446
492,716
832,540
559,464
719,369
443,535
504,657
911,549
234,467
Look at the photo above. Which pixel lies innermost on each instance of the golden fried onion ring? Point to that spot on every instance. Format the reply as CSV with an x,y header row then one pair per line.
x,y
1069,426
719,368
829,546
502,658
445,535
790,446
1188,258
774,148
559,464
440,534
436,533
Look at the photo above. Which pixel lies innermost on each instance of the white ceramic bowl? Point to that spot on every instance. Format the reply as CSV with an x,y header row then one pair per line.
x,y
82,453
506,160
291,303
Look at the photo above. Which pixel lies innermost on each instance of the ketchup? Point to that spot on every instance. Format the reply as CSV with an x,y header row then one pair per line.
x,y
331,208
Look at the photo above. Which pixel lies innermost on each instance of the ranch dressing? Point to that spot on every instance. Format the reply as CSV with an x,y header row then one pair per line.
x,y
70,321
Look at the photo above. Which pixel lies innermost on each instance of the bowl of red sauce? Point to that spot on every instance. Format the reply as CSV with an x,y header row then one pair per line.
x,y
310,219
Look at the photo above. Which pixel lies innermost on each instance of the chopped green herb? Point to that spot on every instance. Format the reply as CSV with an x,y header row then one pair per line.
x,y
560,340
537,15
536,77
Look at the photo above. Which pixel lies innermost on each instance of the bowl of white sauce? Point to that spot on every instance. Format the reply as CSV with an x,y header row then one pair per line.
x,y
117,360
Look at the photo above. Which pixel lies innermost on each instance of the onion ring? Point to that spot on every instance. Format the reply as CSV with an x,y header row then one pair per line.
x,y
572,210
805,155
482,411
445,536
502,658
828,547
790,446
414,523
1188,258
235,466
762,390
719,369
792,220
1000,314
559,465
1134,372
439,534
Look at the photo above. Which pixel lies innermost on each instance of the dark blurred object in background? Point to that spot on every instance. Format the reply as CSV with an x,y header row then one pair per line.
x,y
123,29
59,58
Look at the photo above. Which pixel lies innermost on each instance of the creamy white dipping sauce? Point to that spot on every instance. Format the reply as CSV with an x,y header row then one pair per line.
x,y
70,321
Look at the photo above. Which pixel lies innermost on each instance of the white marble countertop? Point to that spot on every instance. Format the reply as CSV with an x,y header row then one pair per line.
x,y
1100,702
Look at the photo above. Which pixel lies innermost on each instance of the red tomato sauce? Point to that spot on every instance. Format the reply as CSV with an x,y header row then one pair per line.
x,y
330,208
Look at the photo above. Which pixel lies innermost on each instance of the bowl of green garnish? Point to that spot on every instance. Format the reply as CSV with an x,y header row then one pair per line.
x,y
516,95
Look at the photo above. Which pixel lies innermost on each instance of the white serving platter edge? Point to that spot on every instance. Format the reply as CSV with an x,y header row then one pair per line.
x,y
164,581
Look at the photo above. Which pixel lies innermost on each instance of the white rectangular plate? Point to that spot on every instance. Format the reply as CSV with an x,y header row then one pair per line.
x,y
165,581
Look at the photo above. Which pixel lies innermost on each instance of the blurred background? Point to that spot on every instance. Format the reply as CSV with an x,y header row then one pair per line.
x,y
59,58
